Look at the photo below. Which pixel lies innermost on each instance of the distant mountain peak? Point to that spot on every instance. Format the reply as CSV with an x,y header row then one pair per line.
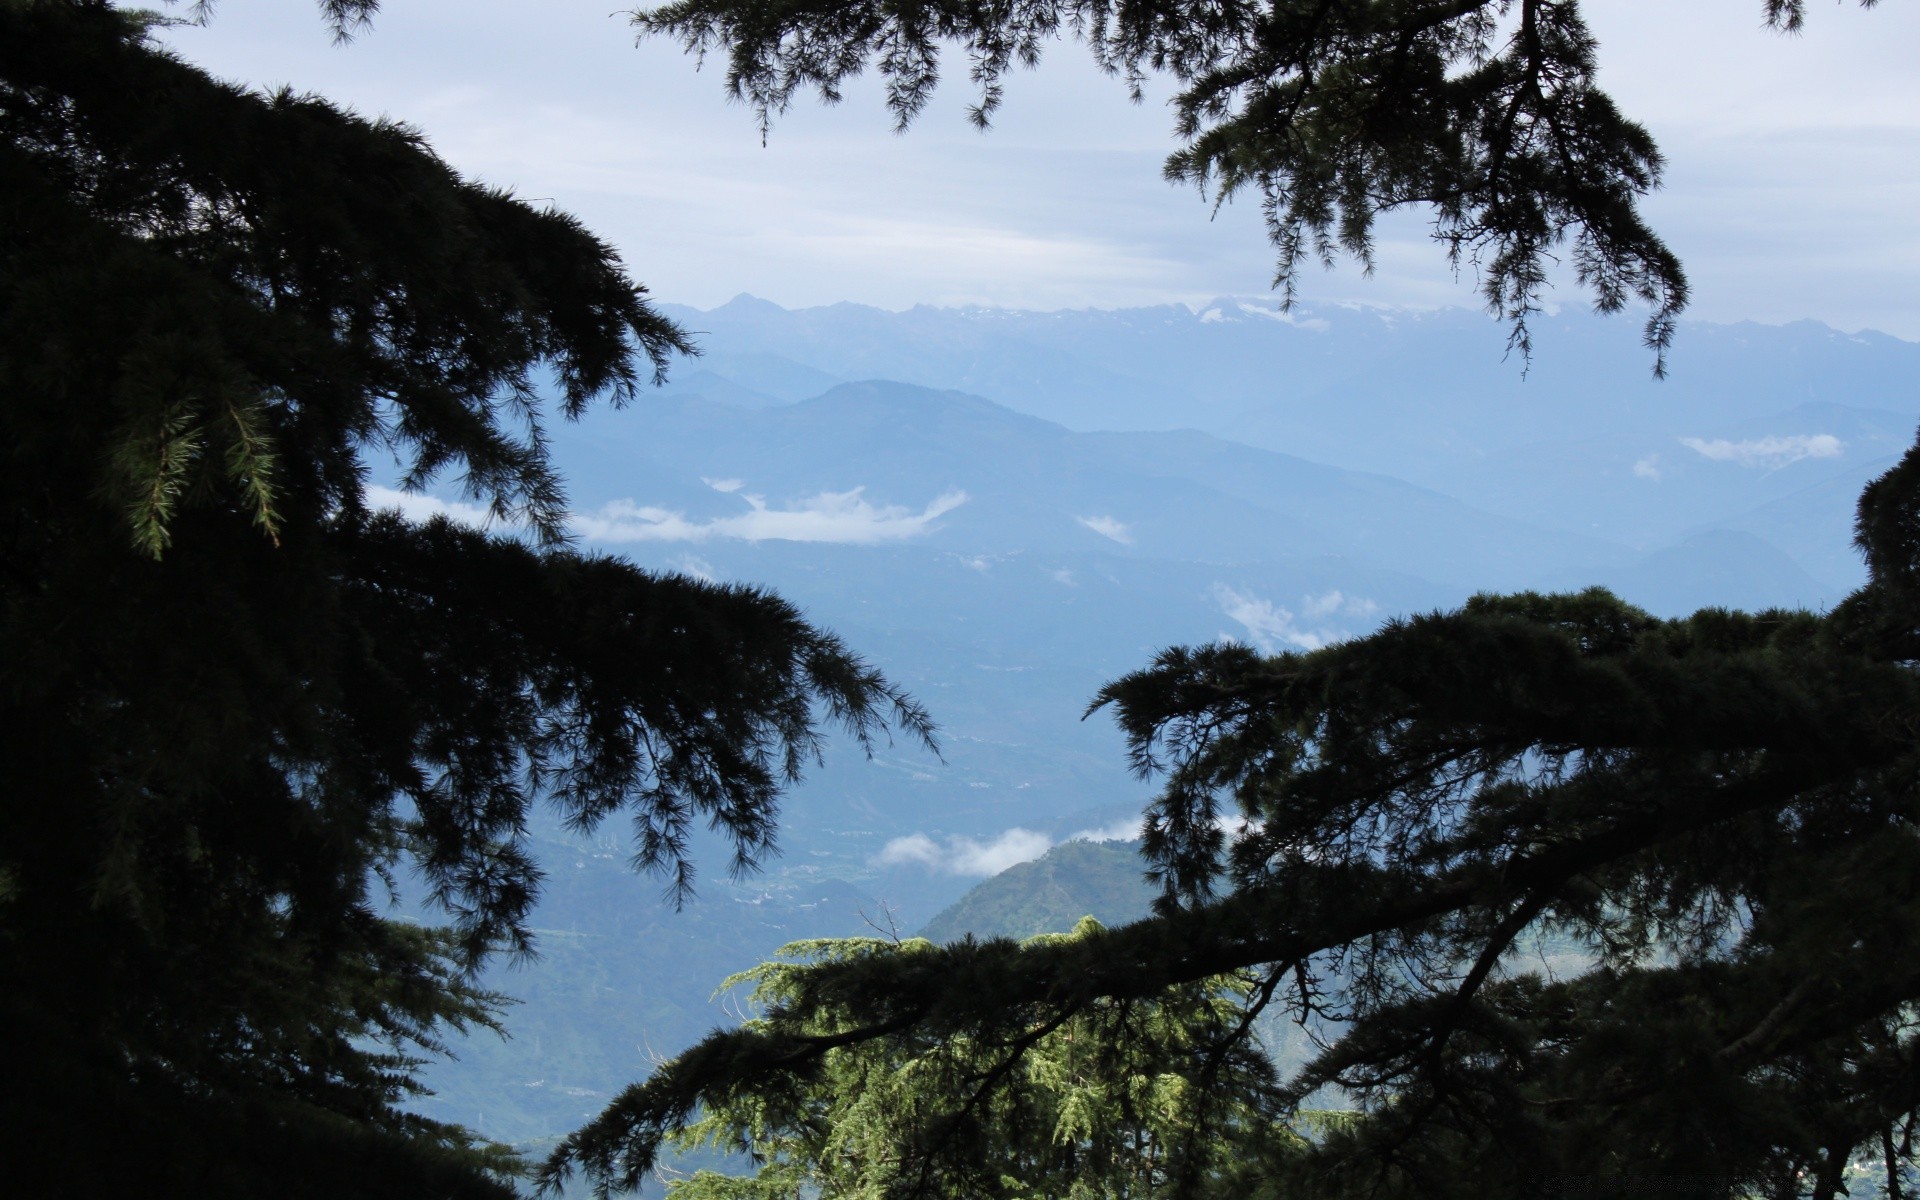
x,y
747,302
1235,309
915,400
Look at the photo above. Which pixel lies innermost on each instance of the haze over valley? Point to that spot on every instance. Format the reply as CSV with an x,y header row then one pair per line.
x,y
1004,510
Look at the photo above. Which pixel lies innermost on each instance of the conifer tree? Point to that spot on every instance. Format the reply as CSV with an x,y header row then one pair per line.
x,y
236,698
1109,1103
1722,811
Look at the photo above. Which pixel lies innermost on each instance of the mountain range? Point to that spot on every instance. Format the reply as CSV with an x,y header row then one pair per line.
x,y
1582,439
1006,510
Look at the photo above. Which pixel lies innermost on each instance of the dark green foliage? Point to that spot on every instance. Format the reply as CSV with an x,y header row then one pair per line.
x,y
236,698
1721,810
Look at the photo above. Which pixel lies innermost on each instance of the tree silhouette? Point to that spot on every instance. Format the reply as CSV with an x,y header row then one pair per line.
x,y
237,699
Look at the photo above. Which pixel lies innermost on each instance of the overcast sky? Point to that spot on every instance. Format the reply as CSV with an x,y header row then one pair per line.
x,y
1793,186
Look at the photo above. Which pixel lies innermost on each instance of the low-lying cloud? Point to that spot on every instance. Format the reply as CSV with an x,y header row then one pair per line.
x,y
1109,528
696,567
1127,830
965,855
1272,627
1767,451
1338,603
959,855
843,517
417,507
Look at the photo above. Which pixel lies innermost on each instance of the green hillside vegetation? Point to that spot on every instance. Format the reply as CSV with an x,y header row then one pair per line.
x,y
1102,880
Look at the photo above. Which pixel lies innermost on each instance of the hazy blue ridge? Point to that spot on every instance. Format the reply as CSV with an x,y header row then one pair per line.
x,y
1717,568
1034,486
1583,441
1323,372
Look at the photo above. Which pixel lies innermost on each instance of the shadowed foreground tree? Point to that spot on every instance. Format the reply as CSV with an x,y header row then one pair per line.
x,y
1721,809
236,699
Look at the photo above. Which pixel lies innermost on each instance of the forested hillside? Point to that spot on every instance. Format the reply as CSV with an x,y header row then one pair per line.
x,y
1102,880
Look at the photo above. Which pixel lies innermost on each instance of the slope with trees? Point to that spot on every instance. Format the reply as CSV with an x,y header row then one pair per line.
x,y
1075,879
239,702
1721,808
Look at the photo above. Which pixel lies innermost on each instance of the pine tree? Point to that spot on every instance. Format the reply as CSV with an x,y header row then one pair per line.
x,y
237,699
1110,1102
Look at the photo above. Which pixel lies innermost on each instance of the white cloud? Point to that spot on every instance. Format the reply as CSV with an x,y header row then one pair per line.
x,y
1127,830
723,485
1107,527
1276,313
846,517
699,568
1272,627
965,855
1767,451
959,855
1064,575
1336,601
978,562
1648,467
416,507
1269,625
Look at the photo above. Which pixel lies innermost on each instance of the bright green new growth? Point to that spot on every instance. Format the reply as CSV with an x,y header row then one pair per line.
x,y
1121,1099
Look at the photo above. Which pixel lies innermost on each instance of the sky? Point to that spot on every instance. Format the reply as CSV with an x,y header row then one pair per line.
x,y
1792,191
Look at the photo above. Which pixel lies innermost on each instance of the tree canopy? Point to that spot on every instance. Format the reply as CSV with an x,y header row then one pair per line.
x,y
1111,1102
237,698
